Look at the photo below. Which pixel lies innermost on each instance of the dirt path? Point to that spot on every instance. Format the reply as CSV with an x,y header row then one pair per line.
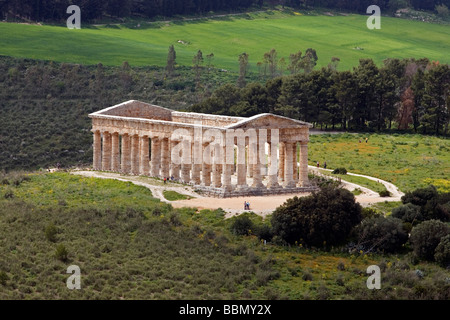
x,y
368,197
234,206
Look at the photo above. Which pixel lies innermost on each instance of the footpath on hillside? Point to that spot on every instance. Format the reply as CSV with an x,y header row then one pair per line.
x,y
261,205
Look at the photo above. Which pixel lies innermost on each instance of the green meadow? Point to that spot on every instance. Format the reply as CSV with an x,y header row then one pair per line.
x,y
129,245
409,161
346,37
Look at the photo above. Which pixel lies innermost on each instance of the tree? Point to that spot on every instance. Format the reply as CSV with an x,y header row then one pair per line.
x,y
442,252
333,65
309,60
436,91
242,226
209,61
270,60
197,61
408,213
367,77
381,234
324,218
345,92
426,236
171,61
406,110
243,67
294,62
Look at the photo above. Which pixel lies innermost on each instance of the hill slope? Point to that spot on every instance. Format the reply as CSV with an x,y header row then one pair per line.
x,y
227,37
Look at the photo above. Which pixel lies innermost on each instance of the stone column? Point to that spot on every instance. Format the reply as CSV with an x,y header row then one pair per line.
x,y
106,152
135,154
165,158
97,148
206,165
282,160
289,166
295,173
115,152
175,167
144,159
155,156
125,161
249,162
303,180
197,160
241,167
257,178
216,183
272,170
186,162
226,178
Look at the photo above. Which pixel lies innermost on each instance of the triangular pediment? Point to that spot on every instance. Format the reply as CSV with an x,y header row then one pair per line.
x,y
269,121
137,109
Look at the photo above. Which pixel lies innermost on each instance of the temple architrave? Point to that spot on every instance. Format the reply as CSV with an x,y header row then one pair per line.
x,y
220,156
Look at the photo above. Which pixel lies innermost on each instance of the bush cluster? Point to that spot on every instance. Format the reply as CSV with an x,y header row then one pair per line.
x,y
322,219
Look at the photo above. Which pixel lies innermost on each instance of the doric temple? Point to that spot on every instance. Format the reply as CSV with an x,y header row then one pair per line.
x,y
220,156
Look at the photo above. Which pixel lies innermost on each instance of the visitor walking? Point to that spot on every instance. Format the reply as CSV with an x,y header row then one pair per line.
x,y
318,164
325,165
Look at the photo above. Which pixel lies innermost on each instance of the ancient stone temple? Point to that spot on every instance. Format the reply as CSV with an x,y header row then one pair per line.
x,y
221,156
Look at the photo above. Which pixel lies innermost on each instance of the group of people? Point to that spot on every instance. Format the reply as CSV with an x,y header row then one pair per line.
x,y
367,140
324,164
246,205
171,179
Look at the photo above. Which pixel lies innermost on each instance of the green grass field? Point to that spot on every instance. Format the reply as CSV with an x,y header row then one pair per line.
x,y
255,33
408,161
130,246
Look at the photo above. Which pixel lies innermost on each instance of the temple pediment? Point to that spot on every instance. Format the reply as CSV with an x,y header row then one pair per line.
x,y
269,121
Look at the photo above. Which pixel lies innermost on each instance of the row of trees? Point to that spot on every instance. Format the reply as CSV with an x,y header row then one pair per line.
x,y
361,5
55,10
401,94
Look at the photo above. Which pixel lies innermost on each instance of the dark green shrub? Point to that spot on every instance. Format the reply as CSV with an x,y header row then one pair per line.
x,y
408,213
385,193
432,204
426,236
324,218
242,225
368,213
340,171
307,276
442,252
50,232
381,234
3,278
9,193
421,196
61,253
264,232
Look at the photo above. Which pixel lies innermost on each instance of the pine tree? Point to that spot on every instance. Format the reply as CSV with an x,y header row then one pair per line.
x,y
171,61
243,65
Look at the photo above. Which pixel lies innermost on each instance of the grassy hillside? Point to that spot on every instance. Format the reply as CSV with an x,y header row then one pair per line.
x,y
408,161
227,37
128,245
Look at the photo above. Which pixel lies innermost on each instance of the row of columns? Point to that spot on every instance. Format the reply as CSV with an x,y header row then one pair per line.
x,y
133,158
